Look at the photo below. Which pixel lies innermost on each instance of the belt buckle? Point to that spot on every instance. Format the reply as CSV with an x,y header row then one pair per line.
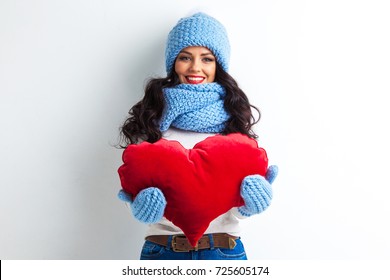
x,y
173,243
232,243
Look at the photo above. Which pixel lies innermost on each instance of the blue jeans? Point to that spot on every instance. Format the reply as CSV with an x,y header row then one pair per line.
x,y
153,251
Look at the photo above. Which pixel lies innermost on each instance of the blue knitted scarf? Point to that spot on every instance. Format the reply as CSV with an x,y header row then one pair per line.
x,y
195,107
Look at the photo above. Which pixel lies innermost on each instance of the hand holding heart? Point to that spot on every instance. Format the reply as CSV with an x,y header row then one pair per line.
x,y
149,205
193,187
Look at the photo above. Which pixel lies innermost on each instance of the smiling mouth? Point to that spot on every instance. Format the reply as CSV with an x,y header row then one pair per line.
x,y
195,79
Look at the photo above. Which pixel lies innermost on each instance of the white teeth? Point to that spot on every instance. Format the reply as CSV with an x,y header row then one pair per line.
x,y
194,79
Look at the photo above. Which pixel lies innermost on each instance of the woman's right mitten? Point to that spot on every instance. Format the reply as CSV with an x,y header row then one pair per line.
x,y
148,206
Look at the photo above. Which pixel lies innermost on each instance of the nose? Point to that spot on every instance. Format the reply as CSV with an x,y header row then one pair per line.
x,y
195,66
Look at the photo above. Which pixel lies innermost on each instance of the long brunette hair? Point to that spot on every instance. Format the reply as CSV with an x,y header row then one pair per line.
x,y
142,123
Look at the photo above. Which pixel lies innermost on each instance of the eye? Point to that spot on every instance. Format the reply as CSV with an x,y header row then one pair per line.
x,y
184,58
208,59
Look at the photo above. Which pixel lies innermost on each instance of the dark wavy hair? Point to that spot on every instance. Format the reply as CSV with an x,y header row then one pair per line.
x,y
143,121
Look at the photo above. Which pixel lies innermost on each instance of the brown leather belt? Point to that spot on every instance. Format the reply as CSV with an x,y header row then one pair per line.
x,y
180,243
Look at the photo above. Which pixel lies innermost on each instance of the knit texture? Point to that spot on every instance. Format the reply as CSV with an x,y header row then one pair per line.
x,y
271,174
257,194
198,108
148,206
198,30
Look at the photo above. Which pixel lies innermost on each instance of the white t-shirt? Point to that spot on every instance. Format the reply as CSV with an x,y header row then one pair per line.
x,y
225,223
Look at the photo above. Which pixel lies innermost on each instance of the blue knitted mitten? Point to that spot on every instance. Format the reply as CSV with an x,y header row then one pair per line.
x,y
148,206
257,192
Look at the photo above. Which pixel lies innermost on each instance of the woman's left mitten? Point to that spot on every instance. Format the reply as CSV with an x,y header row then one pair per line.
x,y
256,192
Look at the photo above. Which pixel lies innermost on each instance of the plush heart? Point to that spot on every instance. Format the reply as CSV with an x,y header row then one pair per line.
x,y
199,184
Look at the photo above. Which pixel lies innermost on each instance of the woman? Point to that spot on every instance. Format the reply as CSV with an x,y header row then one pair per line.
x,y
196,100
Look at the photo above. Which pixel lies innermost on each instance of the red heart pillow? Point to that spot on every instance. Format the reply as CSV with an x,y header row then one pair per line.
x,y
199,184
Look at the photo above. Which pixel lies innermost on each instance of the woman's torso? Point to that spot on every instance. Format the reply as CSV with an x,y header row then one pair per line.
x,y
226,223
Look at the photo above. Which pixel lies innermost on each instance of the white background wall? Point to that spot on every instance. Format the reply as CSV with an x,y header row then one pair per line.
x,y
318,70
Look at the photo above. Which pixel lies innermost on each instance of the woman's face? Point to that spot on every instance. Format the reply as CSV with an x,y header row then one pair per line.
x,y
195,65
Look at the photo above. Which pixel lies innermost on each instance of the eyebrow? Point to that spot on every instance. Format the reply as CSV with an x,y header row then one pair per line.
x,y
203,54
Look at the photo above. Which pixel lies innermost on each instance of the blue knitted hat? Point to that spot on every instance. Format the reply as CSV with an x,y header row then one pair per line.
x,y
198,30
